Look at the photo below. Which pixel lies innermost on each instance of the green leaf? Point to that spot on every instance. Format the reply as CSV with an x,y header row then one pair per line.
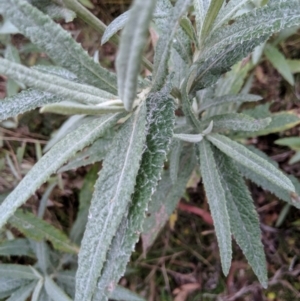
x,y
279,62
25,101
295,158
164,44
9,285
110,201
53,84
54,11
37,229
292,142
133,40
63,49
72,108
42,250
236,122
228,11
188,28
54,291
167,196
217,202
266,184
22,293
39,294
252,161
17,271
294,65
84,135
176,149
280,122
244,222
160,116
85,197
201,7
193,138
122,294
16,247
260,22
116,25
95,153
216,101
212,12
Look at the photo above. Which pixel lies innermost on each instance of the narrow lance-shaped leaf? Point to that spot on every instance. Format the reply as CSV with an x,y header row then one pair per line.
x,y
228,11
37,229
217,202
212,12
9,285
216,101
22,293
201,7
278,60
132,44
176,149
17,271
160,116
110,201
243,218
54,291
116,25
275,16
84,135
16,247
167,196
164,43
51,83
252,161
236,122
63,49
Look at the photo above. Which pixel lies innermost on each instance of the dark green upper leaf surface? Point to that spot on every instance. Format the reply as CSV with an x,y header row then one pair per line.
x,y
110,201
57,43
160,123
244,221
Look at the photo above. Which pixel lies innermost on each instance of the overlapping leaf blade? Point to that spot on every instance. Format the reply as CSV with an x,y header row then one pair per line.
x,y
244,223
22,293
54,84
84,135
110,201
17,271
236,122
167,196
63,49
252,161
116,25
201,7
217,202
132,44
54,291
37,229
164,44
160,116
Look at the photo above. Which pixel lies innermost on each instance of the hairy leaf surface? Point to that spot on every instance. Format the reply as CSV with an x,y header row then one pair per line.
x,y
84,135
244,223
160,120
201,7
37,229
217,202
53,84
252,161
236,122
133,40
63,49
164,44
110,201
166,197
116,25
